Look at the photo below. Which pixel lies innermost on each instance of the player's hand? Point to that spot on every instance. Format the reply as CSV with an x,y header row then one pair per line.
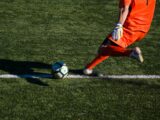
x,y
117,32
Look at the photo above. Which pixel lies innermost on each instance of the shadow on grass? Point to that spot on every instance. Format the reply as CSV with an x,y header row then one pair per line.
x,y
20,68
76,71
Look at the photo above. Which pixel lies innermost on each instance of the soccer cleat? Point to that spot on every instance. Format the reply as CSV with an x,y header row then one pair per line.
x,y
137,54
87,71
92,73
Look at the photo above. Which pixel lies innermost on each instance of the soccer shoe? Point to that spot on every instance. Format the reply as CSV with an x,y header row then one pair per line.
x,y
87,71
137,54
92,73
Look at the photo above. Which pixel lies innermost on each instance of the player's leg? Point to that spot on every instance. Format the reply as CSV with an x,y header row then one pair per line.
x,y
112,50
97,60
107,49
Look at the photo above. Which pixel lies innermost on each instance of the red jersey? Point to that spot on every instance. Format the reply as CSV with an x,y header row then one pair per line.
x,y
140,14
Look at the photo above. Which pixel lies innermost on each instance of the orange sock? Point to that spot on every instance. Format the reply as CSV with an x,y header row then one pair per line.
x,y
96,61
106,52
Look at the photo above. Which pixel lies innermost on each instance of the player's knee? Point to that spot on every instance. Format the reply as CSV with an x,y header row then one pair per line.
x,y
104,45
101,49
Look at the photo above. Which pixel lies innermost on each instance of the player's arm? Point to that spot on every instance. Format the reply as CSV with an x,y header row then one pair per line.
x,y
123,13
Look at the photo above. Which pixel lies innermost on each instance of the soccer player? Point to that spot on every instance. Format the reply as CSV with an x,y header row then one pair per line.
x,y
134,22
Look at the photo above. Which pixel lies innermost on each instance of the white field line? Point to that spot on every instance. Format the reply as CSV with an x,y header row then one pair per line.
x,y
82,76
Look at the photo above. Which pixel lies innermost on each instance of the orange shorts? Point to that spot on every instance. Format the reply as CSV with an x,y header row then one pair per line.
x,y
128,38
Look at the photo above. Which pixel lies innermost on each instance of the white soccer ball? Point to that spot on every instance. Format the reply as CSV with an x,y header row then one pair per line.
x,y
59,70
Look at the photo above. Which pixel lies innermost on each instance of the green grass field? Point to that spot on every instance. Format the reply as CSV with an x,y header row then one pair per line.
x,y
36,33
